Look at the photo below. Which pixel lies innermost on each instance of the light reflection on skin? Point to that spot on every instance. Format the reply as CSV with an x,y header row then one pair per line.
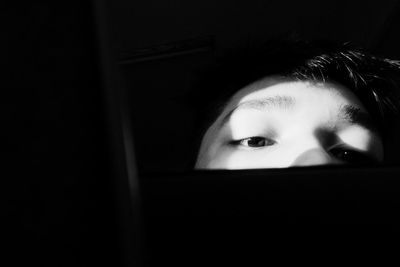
x,y
276,123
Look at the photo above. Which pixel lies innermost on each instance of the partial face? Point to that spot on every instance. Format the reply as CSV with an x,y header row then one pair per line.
x,y
276,123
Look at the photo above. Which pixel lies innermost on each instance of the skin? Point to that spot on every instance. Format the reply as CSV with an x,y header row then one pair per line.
x,y
278,123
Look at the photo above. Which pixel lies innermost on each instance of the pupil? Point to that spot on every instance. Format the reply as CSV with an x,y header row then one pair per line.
x,y
343,154
256,141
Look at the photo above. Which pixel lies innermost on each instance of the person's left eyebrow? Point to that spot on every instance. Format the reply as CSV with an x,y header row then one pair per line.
x,y
273,102
354,115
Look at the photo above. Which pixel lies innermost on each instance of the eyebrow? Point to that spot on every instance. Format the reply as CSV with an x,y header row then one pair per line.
x,y
274,102
280,102
348,113
354,115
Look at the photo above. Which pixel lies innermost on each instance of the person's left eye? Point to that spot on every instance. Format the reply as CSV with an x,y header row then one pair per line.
x,y
351,156
254,142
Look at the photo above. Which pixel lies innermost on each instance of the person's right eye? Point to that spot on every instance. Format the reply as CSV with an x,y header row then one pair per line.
x,y
254,142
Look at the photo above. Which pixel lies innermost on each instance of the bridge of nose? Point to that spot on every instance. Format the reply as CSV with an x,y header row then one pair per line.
x,y
315,156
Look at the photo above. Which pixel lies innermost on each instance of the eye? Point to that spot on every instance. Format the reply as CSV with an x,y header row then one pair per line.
x,y
351,156
254,142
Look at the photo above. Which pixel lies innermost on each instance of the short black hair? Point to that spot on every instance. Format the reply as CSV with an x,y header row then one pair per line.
x,y
373,79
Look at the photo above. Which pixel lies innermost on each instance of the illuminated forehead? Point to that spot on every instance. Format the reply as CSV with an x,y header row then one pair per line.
x,y
284,92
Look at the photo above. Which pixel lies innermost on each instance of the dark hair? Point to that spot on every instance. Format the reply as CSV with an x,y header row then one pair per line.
x,y
375,80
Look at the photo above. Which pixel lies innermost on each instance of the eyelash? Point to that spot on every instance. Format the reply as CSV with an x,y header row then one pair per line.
x,y
260,142
350,155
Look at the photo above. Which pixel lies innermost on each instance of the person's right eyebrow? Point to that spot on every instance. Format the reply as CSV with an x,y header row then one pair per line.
x,y
273,102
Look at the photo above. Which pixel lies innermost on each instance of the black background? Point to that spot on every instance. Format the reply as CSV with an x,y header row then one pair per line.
x,y
60,207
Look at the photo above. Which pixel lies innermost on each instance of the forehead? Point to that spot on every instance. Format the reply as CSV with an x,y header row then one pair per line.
x,y
304,92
